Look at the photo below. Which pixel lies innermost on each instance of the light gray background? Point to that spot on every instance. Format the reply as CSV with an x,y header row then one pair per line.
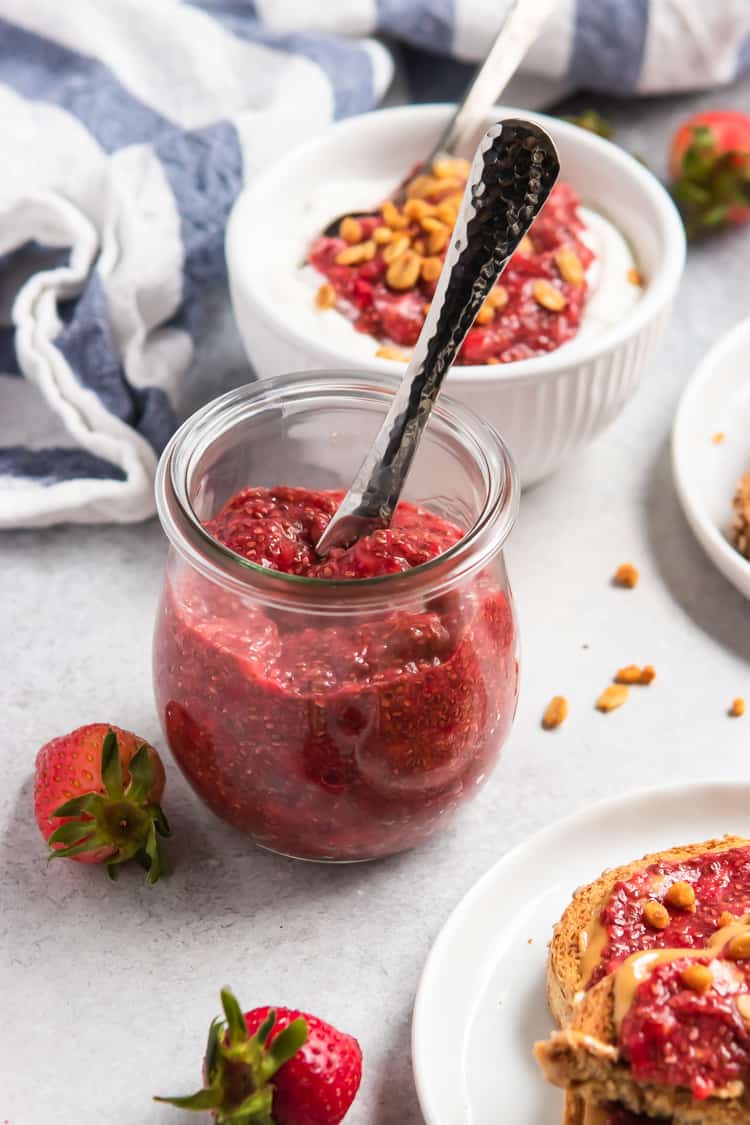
x,y
107,990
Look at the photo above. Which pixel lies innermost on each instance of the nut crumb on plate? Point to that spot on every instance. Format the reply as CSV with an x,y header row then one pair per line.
x,y
556,712
737,708
626,575
635,277
718,438
741,524
634,674
612,697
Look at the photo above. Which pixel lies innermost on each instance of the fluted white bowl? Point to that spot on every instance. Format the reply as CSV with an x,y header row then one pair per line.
x,y
546,408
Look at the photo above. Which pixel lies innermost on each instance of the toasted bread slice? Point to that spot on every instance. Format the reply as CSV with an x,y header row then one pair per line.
x,y
582,1057
564,977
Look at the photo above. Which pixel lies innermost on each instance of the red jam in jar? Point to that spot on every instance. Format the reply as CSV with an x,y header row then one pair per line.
x,y
334,736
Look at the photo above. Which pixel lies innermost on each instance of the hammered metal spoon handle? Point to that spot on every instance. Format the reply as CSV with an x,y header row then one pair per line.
x,y
513,172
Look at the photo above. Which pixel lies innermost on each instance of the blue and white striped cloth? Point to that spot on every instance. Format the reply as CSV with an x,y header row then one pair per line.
x,y
128,128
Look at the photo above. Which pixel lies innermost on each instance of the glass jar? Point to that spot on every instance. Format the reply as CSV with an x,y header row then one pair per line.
x,y
334,719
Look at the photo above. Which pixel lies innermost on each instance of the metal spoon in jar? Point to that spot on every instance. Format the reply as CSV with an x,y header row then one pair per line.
x,y
513,172
521,25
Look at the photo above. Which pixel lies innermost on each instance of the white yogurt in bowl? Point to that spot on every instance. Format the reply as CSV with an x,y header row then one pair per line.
x,y
293,284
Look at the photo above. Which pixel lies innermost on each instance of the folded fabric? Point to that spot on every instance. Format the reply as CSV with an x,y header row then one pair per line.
x,y
128,130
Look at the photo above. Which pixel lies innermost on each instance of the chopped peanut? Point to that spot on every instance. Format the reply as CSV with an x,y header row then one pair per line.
x,y
447,213
725,918
431,268
612,697
396,247
743,1007
418,208
418,246
355,255
718,438
548,296
626,575
738,948
350,230
420,186
555,713
404,272
493,361
326,296
633,674
570,266
392,353
525,246
656,915
392,217
485,314
429,223
449,167
438,240
382,234
634,277
698,978
681,895
738,707
497,298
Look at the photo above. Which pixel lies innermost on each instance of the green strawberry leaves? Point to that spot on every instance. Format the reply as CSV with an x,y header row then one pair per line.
x,y
239,1067
123,823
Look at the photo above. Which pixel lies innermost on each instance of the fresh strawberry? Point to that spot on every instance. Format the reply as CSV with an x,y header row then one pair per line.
x,y
96,798
709,161
316,1070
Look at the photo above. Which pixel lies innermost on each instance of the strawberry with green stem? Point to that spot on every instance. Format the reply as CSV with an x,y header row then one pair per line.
x,y
709,161
96,798
275,1066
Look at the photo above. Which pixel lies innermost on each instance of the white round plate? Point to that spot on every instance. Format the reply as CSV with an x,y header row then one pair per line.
x,y
716,400
481,1000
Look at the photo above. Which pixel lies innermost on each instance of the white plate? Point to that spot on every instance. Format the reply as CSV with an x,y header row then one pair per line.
x,y
481,1001
716,400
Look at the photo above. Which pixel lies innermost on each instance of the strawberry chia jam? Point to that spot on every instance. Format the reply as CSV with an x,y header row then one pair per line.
x,y
721,882
537,306
674,1034
344,735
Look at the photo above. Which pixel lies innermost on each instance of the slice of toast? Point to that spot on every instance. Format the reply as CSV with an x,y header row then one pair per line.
x,y
564,977
582,1057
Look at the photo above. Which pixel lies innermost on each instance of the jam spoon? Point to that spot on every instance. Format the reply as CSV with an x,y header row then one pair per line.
x,y
514,170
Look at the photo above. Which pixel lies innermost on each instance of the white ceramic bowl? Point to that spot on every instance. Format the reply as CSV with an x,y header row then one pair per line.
x,y
715,401
546,408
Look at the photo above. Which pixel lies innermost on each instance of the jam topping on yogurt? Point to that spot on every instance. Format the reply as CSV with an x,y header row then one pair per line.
x,y
381,270
335,733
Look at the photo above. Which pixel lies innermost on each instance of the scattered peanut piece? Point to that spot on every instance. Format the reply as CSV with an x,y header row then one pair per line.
x,y
681,896
485,314
325,298
493,361
656,915
738,707
718,438
548,295
725,918
698,978
634,277
612,697
570,266
743,1007
403,273
633,674
556,712
497,298
350,230
626,575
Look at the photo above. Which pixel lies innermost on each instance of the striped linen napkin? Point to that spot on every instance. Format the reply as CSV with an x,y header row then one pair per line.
x,y
129,127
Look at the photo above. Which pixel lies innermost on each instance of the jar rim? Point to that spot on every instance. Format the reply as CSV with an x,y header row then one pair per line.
x,y
190,538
